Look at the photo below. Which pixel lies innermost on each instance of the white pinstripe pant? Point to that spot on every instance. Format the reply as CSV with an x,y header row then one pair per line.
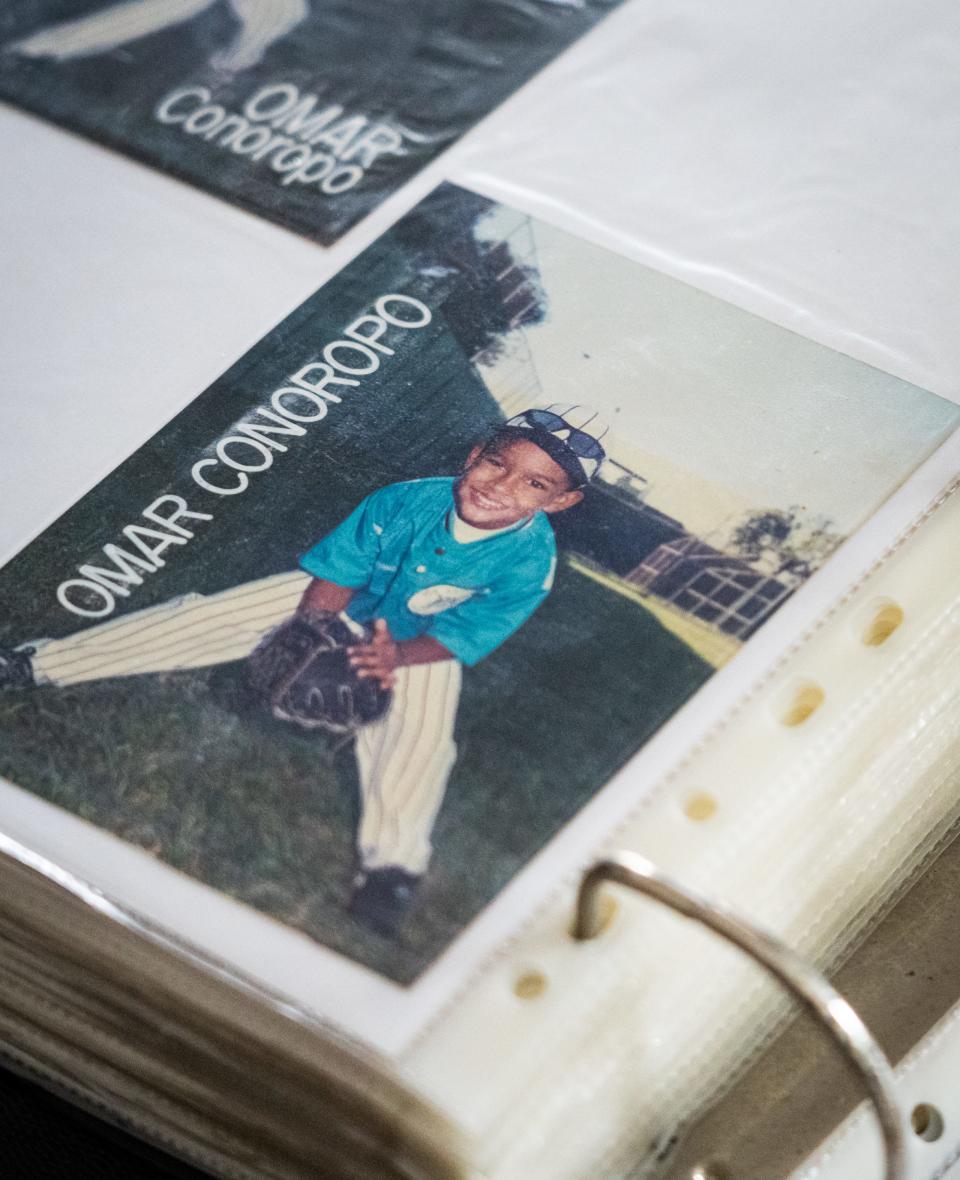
x,y
262,22
403,760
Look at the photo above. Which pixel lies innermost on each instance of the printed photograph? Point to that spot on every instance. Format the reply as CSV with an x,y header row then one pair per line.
x,y
366,624
307,112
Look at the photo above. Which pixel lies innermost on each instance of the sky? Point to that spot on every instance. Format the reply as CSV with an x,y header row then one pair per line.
x,y
723,412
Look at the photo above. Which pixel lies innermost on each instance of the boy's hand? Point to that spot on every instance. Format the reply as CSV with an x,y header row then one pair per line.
x,y
379,658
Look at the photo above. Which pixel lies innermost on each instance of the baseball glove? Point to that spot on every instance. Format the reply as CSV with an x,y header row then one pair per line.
x,y
300,672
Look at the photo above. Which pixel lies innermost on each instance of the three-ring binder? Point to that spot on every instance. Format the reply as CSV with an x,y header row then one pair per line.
x,y
806,983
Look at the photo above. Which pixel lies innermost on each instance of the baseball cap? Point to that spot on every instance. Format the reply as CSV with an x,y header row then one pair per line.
x,y
569,433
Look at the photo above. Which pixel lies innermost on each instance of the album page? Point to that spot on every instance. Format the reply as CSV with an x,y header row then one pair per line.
x,y
541,500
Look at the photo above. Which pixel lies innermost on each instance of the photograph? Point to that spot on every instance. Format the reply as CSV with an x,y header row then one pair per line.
x,y
372,619
306,112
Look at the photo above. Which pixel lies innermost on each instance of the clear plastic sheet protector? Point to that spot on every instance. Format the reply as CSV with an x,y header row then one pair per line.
x,y
799,162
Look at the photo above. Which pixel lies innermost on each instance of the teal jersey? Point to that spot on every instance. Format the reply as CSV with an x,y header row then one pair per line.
x,y
397,551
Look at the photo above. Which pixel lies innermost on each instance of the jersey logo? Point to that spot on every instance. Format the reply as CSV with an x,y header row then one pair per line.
x,y
431,600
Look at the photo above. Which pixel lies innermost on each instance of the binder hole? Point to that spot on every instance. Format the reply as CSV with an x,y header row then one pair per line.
x,y
927,1122
700,806
801,703
530,985
887,617
607,911
607,906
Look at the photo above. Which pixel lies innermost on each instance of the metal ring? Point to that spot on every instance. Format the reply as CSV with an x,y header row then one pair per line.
x,y
803,980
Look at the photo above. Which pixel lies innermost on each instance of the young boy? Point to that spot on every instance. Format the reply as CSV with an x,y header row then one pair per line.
x,y
445,570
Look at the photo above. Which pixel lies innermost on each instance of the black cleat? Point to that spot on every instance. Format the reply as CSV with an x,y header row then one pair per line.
x,y
16,668
382,897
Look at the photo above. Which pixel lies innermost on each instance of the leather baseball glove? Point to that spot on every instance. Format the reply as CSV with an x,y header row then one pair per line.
x,y
300,672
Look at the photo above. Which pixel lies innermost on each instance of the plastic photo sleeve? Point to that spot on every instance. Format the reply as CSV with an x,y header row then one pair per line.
x,y
531,493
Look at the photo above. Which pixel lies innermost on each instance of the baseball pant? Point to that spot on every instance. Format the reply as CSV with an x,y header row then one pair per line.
x,y
403,760
262,22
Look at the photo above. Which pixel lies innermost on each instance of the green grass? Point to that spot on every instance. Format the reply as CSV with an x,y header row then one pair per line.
x,y
708,641
267,815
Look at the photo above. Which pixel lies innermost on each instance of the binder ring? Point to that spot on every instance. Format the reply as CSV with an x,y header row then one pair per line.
x,y
806,983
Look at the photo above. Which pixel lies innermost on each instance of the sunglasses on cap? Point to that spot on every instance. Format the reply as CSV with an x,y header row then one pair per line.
x,y
583,445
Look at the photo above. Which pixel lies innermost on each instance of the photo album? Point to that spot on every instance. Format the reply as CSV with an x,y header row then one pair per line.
x,y
502,554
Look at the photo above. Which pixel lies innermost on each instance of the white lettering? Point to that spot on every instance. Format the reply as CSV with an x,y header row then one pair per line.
x,y
376,141
320,385
257,430
65,600
290,157
248,141
284,91
405,301
165,109
180,512
338,137
330,351
278,401
301,122
250,448
346,176
379,327
241,485
128,573
276,142
316,166
138,534
237,440
206,119
231,127
280,107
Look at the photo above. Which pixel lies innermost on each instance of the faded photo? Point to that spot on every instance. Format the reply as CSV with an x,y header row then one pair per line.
x,y
307,112
370,621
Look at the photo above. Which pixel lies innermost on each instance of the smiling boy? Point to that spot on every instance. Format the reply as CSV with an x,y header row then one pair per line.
x,y
444,570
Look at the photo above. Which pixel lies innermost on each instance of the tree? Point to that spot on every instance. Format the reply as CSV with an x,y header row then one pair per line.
x,y
491,292
786,539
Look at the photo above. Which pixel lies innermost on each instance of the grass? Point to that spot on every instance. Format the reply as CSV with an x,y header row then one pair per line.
x,y
262,812
709,642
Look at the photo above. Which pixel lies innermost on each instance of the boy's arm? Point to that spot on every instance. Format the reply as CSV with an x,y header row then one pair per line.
x,y
323,595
